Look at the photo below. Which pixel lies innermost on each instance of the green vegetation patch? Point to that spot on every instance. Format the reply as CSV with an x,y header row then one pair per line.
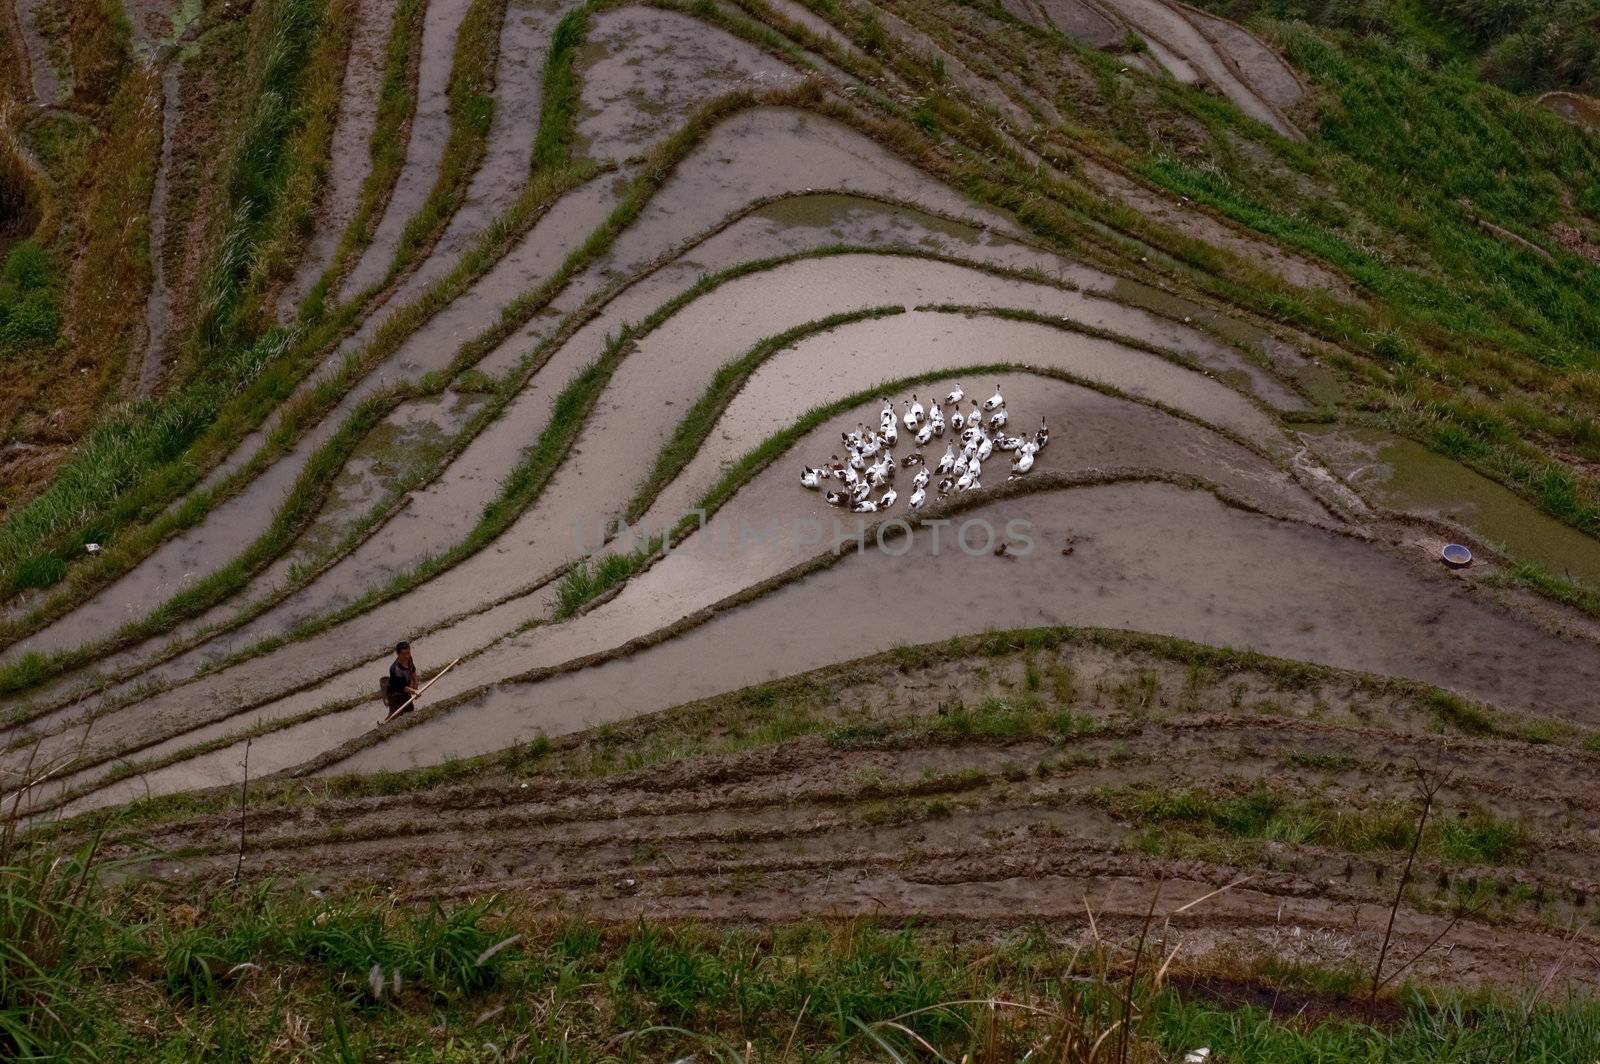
x,y
30,300
91,971
1474,837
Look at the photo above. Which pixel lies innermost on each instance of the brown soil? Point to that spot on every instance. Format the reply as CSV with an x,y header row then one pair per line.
x,y
1581,111
890,819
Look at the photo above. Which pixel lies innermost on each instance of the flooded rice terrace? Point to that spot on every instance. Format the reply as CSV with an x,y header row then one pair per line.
x,y
1172,497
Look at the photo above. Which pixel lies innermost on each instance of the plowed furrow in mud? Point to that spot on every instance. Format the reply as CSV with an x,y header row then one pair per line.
x,y
814,795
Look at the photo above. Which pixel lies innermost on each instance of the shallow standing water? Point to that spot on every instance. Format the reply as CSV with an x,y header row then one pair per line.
x,y
1147,557
1405,476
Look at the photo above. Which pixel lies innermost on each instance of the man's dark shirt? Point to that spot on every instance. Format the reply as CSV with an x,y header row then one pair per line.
x,y
400,677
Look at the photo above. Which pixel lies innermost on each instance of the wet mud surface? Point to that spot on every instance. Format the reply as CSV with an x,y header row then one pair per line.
x,y
644,70
46,83
1407,477
1088,24
518,92
663,378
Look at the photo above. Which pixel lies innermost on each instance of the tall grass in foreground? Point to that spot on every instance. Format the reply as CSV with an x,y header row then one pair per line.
x,y
90,971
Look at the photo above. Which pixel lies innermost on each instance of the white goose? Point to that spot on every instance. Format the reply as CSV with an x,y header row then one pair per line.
x,y
925,434
936,419
945,485
920,481
958,420
888,499
836,498
975,468
985,448
955,396
964,482
890,434
881,473
813,478
913,414
1024,461
865,506
995,401
918,497
948,462
998,419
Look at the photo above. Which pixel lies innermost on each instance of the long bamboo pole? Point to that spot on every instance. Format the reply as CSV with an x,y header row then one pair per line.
x,y
396,712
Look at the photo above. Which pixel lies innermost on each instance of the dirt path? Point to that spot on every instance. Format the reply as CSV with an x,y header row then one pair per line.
x,y
42,76
159,303
349,156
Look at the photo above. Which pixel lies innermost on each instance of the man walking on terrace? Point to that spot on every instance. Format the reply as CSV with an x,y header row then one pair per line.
x,y
402,690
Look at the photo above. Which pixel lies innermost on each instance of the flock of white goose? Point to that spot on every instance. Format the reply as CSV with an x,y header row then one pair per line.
x,y
869,462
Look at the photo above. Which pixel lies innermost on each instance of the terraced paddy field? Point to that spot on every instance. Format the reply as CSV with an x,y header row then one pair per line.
x,y
922,526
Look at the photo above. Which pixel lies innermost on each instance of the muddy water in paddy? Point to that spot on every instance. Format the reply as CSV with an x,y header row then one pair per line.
x,y
644,70
1092,431
1409,478
908,345
649,393
723,166
1172,35
519,85
233,525
1149,557
430,129
786,225
438,516
349,155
